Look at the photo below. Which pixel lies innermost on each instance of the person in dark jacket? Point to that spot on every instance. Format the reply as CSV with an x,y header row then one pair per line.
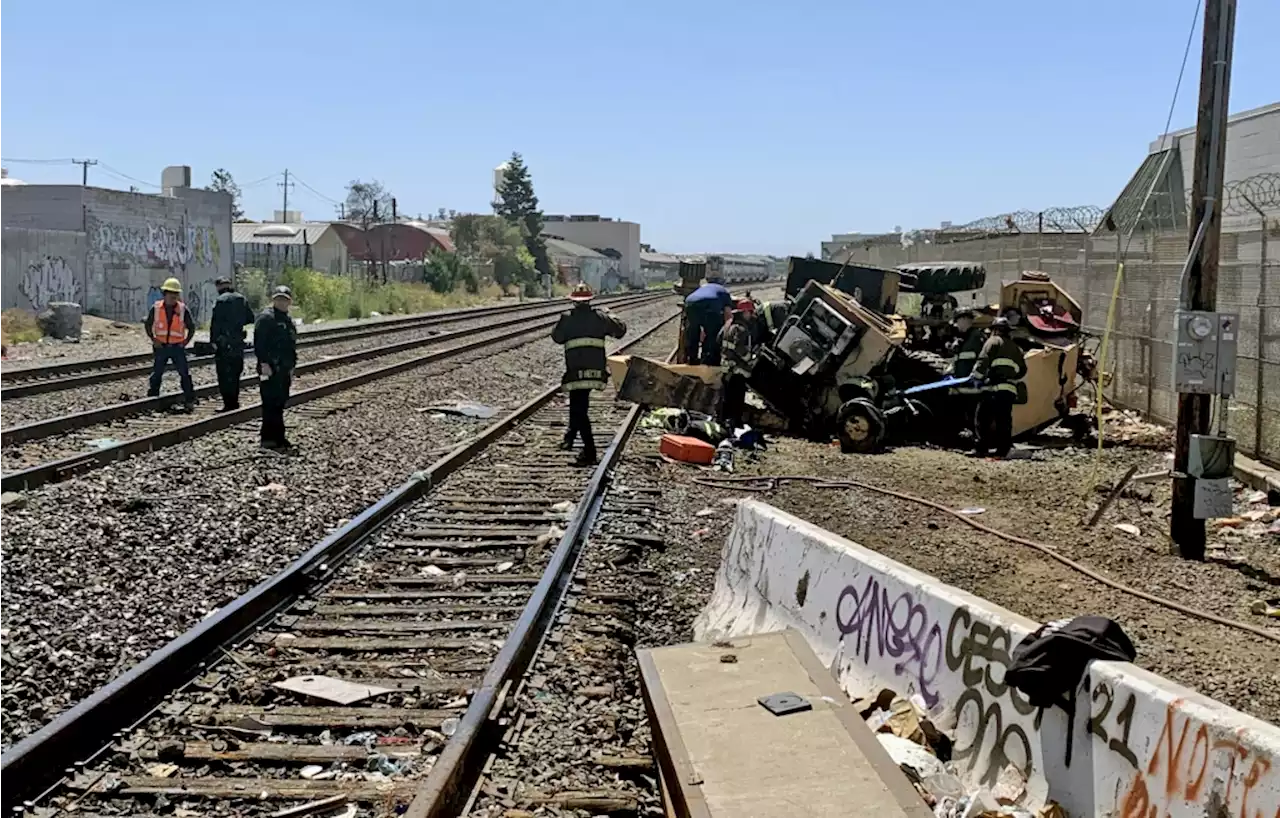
x,y
707,310
998,369
275,341
581,331
740,339
171,326
231,313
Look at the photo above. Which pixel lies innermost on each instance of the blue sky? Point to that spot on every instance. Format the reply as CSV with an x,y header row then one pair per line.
x,y
729,126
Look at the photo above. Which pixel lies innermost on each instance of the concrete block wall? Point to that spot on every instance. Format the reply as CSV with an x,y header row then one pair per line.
x,y
133,242
1137,746
42,266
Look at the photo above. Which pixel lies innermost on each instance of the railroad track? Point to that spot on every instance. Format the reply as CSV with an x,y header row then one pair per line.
x,y
38,380
371,670
44,452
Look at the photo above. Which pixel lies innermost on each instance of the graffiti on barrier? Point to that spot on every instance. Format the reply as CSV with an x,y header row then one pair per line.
x,y
1183,770
49,279
991,714
896,626
199,299
127,303
156,245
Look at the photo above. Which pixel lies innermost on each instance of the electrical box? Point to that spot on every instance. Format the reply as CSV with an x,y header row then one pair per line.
x,y
1204,352
1209,463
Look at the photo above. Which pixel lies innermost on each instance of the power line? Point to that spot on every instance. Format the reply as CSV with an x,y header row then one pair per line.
x,y
257,182
313,190
107,167
66,161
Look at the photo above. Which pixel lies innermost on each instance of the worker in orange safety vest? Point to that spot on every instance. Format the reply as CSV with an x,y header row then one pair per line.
x,y
170,326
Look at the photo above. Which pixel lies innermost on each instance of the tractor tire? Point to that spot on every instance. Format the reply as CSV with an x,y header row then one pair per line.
x,y
914,367
860,427
918,425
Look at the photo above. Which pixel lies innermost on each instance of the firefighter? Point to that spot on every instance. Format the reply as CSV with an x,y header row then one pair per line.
x,y
275,341
171,326
581,331
998,369
968,340
231,313
739,340
774,314
707,309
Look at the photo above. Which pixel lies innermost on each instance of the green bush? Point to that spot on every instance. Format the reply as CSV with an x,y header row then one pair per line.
x,y
253,283
19,326
318,295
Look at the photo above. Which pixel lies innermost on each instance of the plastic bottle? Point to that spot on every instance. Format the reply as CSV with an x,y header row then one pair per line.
x,y
723,460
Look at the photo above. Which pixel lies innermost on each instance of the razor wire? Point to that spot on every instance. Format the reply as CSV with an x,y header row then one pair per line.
x,y
1245,197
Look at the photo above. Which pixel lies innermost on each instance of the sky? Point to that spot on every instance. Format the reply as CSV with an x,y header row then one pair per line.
x,y
750,127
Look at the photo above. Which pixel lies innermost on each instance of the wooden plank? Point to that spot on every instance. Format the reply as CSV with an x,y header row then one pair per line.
x,y
280,753
374,625
382,596
493,517
442,530
322,717
476,579
409,610
271,788
369,644
394,559
342,666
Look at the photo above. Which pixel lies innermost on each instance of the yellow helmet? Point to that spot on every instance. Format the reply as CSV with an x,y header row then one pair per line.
x,y
171,285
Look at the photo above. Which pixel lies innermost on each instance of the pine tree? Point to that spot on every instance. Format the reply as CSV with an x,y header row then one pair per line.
x,y
518,205
224,183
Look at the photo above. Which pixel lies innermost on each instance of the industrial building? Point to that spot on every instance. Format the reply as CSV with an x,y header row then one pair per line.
x,y
612,237
575,263
109,250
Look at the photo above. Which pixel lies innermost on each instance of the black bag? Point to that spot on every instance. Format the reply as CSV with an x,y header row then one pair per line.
x,y
1049,663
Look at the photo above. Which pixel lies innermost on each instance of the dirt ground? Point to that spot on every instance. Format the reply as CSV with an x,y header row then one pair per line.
x,y
1045,497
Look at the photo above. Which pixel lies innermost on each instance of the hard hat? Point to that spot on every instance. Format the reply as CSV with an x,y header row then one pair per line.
x,y
1000,322
747,305
581,292
282,292
220,280
171,285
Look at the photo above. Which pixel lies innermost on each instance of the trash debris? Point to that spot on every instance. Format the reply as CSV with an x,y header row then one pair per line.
x,y
310,771
12,500
904,721
1266,607
271,488
161,770
103,443
330,689
1128,528
565,507
364,737
449,726
503,567
324,805
1010,786
463,408
433,571
1227,522
723,459
907,754
973,510
1255,497
706,512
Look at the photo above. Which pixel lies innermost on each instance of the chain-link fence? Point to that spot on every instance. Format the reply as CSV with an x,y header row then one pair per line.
x,y
1084,260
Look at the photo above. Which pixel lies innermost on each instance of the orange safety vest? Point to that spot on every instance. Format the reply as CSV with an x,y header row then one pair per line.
x,y
166,332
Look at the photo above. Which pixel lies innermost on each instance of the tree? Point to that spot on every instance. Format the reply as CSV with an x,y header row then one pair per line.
x,y
493,240
367,203
445,271
517,204
223,183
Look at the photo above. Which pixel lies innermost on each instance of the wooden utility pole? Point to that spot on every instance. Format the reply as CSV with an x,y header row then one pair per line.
x,y
84,169
1201,290
286,184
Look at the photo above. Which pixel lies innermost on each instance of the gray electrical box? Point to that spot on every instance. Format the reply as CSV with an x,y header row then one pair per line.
x,y
1204,352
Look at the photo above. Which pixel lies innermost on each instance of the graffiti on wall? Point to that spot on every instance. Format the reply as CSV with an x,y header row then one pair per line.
x,y
156,245
1184,769
132,303
893,626
49,279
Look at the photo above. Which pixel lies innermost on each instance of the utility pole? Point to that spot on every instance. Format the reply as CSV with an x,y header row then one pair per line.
x,y
84,168
342,212
1200,291
286,184
394,219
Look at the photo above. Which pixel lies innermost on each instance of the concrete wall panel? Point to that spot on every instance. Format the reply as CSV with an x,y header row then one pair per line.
x,y
42,266
1138,745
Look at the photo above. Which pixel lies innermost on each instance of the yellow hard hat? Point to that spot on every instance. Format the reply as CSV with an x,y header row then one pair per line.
x,y
171,285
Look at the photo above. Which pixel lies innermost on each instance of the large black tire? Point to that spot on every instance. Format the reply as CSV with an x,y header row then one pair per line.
x,y
860,427
914,367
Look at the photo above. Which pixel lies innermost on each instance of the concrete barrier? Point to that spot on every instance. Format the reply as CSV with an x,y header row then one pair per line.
x,y
1139,746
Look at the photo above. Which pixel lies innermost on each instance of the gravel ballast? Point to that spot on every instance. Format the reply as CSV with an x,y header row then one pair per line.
x,y
102,569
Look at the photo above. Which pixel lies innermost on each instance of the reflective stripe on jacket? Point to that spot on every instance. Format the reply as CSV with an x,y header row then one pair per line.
x,y
168,331
582,331
968,354
1000,364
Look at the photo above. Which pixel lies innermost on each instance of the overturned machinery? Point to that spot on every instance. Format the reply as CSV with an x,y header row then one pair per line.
x,y
870,377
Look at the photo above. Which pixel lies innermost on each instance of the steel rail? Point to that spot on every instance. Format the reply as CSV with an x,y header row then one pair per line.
x,y
40,429
453,774
38,763
45,381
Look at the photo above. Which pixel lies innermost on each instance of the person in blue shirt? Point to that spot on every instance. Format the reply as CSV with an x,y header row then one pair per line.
x,y
707,309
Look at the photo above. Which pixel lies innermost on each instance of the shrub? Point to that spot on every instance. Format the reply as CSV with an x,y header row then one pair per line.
x,y
19,326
